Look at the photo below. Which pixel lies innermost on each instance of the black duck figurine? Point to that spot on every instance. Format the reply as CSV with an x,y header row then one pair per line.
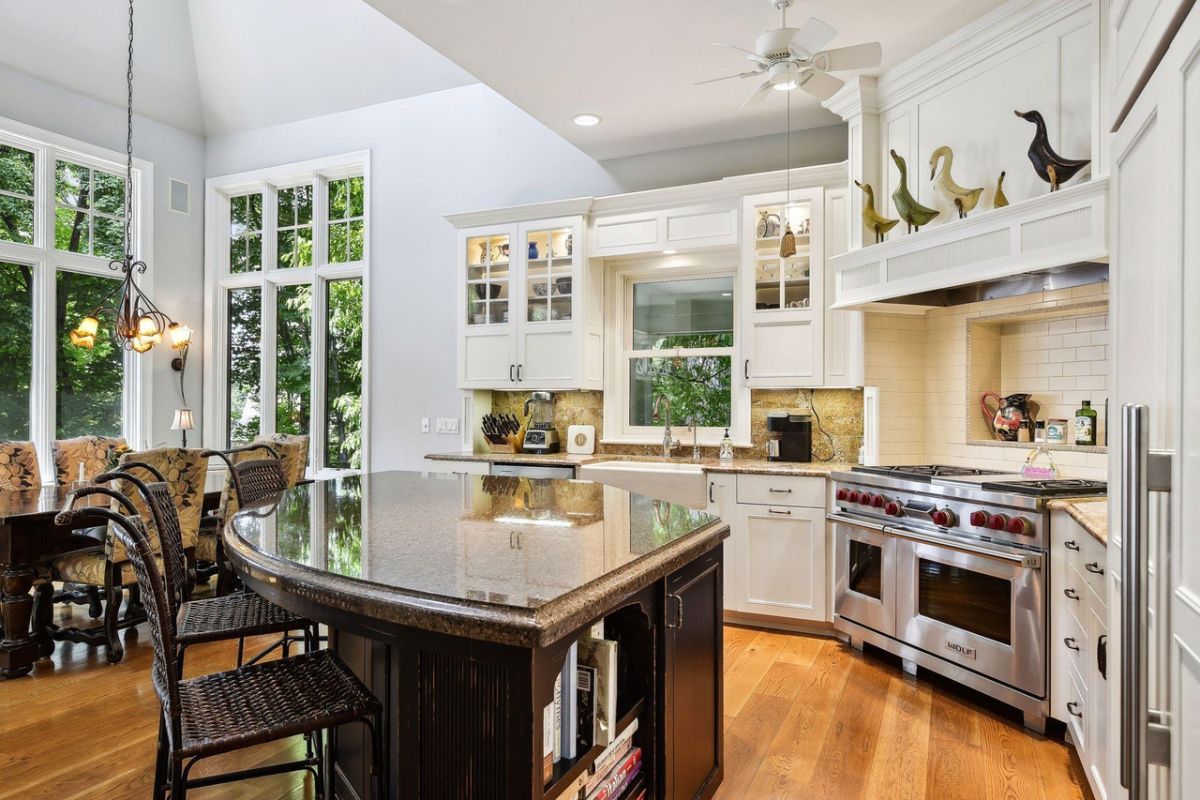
x,y
1049,165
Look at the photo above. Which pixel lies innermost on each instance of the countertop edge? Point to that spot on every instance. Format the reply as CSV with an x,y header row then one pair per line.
x,y
1094,520
749,466
537,627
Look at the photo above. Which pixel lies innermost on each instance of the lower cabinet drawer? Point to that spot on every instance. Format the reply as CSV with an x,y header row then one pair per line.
x,y
769,490
1077,709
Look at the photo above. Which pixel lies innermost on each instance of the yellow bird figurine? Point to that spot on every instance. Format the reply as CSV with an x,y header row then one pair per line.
x,y
964,199
913,213
1001,199
872,218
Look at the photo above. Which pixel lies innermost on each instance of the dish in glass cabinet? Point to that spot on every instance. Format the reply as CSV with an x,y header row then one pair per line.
x,y
540,289
487,291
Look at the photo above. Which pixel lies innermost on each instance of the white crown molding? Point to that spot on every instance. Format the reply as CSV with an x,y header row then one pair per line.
x,y
573,207
860,95
989,35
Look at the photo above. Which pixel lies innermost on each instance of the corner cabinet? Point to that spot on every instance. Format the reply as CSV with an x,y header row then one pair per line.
x,y
529,307
783,298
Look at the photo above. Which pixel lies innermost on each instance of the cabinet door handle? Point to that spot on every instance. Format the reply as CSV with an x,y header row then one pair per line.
x,y
1073,709
780,491
519,366
1094,567
1071,545
677,620
511,367
746,370
511,546
710,492
1071,593
1102,655
777,511
1070,643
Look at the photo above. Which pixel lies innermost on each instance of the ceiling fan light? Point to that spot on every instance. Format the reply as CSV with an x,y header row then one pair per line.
x,y
786,86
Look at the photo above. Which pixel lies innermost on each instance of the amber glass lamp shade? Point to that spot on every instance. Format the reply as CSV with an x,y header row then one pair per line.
x,y
179,335
148,329
80,338
141,344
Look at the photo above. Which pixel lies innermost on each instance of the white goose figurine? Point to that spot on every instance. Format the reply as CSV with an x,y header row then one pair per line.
x,y
964,199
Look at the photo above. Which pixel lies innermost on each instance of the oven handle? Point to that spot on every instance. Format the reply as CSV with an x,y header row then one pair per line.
x,y
1030,560
858,523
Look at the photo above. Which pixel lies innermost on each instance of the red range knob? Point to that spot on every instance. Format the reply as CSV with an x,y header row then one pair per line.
x,y
998,522
893,509
853,497
944,518
877,501
980,519
867,499
842,494
1021,526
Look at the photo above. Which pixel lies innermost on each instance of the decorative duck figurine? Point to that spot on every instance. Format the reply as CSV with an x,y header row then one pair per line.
x,y
964,199
1001,199
1049,165
872,218
913,213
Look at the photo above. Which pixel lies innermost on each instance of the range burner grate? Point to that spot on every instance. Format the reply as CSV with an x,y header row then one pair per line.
x,y
926,472
1059,486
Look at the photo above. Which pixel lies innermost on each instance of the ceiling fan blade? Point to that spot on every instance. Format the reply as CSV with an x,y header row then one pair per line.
x,y
750,54
820,85
813,37
859,56
750,74
759,93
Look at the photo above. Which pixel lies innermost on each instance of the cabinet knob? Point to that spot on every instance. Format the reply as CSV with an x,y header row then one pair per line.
x,y
777,511
1094,567
1074,710
1070,643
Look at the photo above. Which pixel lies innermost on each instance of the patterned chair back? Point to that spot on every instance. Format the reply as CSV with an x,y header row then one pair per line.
x,y
148,491
19,467
184,471
292,450
96,453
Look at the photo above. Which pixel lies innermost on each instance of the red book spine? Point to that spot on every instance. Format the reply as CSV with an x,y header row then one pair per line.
x,y
617,777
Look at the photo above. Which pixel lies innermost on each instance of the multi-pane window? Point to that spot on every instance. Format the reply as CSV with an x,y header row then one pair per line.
x,y
16,195
294,233
16,356
88,381
89,211
245,233
346,221
291,290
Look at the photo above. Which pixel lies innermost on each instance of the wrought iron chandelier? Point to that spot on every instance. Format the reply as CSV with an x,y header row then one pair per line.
x,y
136,323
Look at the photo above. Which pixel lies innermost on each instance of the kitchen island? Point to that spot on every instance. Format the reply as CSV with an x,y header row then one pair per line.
x,y
457,600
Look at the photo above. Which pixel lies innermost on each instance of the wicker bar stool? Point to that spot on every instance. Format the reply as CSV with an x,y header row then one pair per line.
x,y
228,711
236,615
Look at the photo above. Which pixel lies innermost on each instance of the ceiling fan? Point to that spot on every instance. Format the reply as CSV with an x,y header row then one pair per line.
x,y
793,58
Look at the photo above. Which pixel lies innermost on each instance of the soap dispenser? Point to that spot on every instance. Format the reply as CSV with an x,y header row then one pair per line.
x,y
726,451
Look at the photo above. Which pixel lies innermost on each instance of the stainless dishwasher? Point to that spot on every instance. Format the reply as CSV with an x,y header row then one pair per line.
x,y
531,470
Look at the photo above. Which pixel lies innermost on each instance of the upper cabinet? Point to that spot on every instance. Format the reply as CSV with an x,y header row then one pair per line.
x,y
651,231
1138,31
530,309
783,297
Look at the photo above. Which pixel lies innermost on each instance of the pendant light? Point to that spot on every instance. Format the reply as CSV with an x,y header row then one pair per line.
x,y
787,244
136,323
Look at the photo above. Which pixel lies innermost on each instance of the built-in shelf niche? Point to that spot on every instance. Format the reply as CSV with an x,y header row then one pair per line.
x,y
1059,355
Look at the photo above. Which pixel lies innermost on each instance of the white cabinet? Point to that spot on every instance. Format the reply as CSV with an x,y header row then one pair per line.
x,y
654,230
783,298
1136,32
529,308
844,357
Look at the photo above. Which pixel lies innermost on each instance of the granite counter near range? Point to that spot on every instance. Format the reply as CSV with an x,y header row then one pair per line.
x,y
741,466
457,598
1091,514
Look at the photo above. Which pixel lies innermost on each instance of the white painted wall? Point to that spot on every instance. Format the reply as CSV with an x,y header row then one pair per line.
x,y
176,264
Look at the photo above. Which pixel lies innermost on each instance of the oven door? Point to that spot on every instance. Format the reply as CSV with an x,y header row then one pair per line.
x,y
865,574
980,606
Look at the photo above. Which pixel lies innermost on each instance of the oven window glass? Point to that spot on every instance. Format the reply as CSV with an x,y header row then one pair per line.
x,y
866,569
971,601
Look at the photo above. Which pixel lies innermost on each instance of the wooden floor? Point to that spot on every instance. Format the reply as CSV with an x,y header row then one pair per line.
x,y
805,717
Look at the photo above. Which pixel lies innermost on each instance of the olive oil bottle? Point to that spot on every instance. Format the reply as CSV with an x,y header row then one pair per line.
x,y
1085,425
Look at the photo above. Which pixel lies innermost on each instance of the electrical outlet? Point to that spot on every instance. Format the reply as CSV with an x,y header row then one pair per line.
x,y
447,425
424,424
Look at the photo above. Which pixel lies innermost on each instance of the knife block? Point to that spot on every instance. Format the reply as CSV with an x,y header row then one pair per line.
x,y
512,443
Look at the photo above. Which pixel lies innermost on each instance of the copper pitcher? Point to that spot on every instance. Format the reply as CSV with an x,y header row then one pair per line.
x,y
1006,418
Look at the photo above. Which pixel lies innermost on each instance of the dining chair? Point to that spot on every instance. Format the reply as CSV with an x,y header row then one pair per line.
x,y
19,466
95,453
292,450
227,711
236,615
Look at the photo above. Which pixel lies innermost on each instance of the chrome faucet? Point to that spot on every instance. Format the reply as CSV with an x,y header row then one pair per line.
x,y
695,439
669,444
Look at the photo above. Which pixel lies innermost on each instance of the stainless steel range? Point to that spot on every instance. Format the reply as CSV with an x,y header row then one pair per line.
x,y
947,567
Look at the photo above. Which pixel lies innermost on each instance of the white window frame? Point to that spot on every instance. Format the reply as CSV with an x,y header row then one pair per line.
x,y
218,280
48,148
620,279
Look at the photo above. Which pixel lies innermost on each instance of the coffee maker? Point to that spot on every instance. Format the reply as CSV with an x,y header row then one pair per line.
x,y
540,434
789,436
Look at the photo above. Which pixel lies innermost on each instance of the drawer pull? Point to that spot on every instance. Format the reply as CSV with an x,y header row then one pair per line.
x,y
1073,709
1070,643
1071,593
1071,545
1094,566
780,491
776,511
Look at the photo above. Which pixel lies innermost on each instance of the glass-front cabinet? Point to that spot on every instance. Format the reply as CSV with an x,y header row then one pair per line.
x,y
783,289
526,313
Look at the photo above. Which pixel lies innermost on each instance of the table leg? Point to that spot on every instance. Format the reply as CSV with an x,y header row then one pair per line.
x,y
18,650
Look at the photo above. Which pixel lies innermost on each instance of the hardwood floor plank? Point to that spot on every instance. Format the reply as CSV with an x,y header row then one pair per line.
x,y
1007,752
801,650
1060,771
955,763
743,676
841,770
899,769
747,739
737,639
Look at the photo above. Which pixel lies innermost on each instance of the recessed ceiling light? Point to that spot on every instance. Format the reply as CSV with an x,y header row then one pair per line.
x,y
669,252
587,120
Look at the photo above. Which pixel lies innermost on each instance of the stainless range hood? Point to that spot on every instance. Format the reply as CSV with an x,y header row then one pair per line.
x,y
1064,277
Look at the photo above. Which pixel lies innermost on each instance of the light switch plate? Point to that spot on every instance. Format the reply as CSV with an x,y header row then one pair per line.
x,y
447,425
424,424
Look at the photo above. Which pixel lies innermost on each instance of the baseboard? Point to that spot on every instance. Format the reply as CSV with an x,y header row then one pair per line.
x,y
777,624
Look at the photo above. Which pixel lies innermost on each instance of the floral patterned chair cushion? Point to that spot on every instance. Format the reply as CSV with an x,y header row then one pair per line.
x,y
19,466
206,545
87,567
96,453
185,470
293,451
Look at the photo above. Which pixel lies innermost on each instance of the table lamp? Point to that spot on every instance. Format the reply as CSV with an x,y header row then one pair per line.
x,y
183,422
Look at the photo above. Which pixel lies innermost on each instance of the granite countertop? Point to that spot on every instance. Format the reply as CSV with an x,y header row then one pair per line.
x,y
1091,514
746,466
496,558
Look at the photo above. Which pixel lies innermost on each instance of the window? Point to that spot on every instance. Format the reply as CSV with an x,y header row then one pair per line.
x,y
291,289
677,342
62,220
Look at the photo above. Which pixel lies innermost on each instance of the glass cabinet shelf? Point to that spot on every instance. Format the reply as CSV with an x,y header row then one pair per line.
x,y
782,283
487,280
549,275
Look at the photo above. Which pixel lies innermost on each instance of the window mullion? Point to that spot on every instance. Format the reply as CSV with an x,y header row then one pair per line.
x,y
267,362
320,219
42,412
317,409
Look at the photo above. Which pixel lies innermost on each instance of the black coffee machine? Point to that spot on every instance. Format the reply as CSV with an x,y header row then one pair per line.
x,y
789,436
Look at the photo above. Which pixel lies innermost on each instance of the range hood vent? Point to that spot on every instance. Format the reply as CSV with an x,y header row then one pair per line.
x,y
1045,280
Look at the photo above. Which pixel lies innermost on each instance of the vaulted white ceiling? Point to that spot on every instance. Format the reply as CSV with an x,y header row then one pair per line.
x,y
218,66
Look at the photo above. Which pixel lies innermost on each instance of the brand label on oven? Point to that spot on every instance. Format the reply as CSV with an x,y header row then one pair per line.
x,y
962,649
